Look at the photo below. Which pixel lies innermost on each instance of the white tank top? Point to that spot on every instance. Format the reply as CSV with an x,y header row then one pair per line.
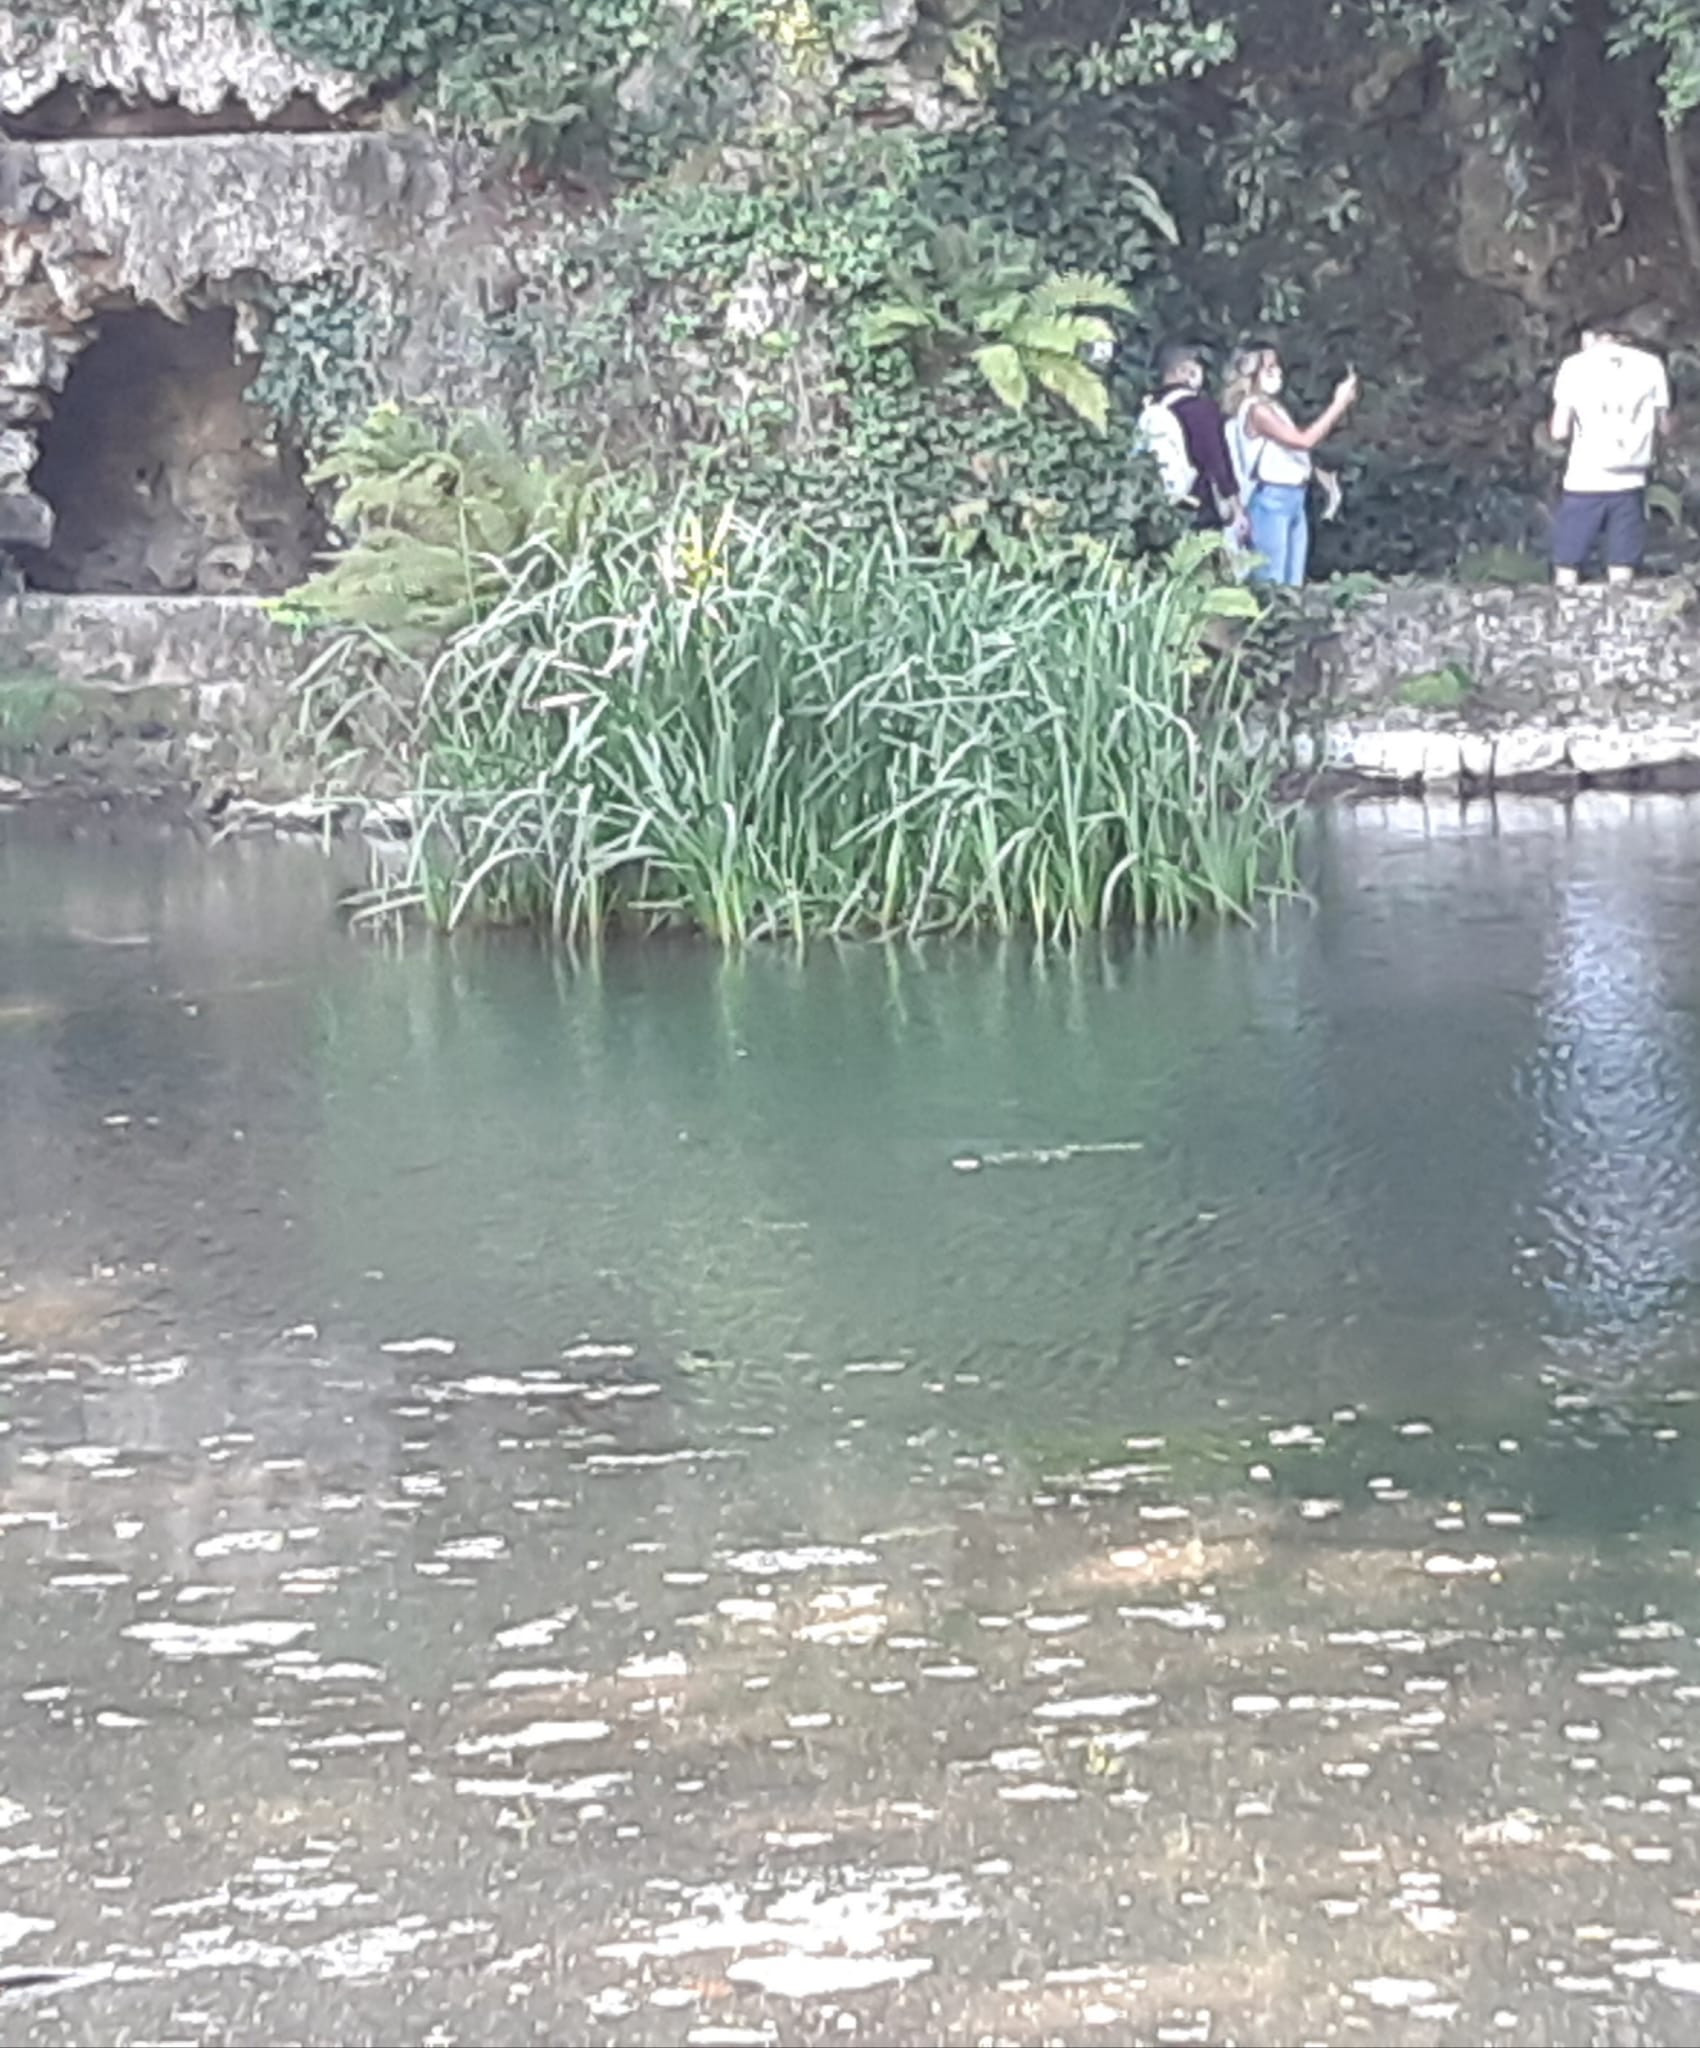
x,y
1263,461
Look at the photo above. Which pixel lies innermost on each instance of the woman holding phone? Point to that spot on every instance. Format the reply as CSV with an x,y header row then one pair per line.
x,y
1273,455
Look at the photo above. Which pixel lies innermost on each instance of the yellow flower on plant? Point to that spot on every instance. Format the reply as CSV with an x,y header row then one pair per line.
x,y
693,559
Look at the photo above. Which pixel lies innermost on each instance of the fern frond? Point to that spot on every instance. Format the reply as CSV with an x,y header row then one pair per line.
x,y
1074,288
1059,334
1149,206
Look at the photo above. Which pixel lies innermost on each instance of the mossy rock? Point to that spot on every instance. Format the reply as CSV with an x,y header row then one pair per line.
x,y
1501,565
1436,689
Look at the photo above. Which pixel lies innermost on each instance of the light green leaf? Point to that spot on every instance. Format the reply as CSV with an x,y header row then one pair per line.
x,y
1081,389
893,323
1231,601
1149,206
1003,370
1000,313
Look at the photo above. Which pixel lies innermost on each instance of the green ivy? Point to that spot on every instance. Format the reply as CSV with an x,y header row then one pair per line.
x,y
623,85
763,194
317,370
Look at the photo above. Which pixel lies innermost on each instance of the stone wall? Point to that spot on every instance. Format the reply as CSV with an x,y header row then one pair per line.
x,y
189,697
1440,684
193,694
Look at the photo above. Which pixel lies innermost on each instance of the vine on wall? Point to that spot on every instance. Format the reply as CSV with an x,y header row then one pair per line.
x,y
319,364
776,172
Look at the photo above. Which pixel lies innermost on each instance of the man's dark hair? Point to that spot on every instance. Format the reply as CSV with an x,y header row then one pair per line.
x,y
1612,325
1173,358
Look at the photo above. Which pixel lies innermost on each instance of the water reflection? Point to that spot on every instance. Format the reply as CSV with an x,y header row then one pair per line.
x,y
1140,1496
1613,1087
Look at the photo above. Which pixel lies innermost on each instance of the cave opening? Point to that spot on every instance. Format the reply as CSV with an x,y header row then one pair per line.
x,y
163,476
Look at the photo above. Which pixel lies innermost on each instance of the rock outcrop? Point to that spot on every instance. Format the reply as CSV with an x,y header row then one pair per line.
x,y
200,55
99,232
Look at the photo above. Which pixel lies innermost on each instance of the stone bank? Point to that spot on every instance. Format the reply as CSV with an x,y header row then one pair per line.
x,y
1427,686
1438,685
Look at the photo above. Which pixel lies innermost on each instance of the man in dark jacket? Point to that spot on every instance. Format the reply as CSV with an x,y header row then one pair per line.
x,y
1184,391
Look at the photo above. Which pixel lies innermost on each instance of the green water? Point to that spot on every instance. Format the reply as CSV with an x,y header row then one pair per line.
x,y
1146,1495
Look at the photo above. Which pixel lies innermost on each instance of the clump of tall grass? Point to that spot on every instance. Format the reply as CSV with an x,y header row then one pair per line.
x,y
756,733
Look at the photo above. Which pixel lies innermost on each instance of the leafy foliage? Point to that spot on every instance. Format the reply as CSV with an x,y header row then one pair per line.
x,y
429,517
1437,689
969,292
818,286
1671,29
318,365
702,723
542,79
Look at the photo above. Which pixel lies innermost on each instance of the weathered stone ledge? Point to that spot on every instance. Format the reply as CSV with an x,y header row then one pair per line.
x,y
1424,755
196,54
1440,685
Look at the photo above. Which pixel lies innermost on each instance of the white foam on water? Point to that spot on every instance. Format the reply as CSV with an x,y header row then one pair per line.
x,y
810,1919
565,1792
749,1611
372,1951
535,1635
490,1383
239,1542
522,1677
1110,1706
227,1639
774,1564
17,1927
533,1735
1395,1994
1626,1675
1189,1615
801,1976
1056,1624
472,1549
668,1664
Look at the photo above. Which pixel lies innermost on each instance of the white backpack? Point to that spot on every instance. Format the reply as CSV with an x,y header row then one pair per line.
x,y
1161,436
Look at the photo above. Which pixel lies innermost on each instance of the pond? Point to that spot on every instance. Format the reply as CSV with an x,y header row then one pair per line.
x,y
1144,1495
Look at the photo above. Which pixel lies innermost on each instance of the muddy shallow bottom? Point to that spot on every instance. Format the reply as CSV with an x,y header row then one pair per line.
x,y
1147,1497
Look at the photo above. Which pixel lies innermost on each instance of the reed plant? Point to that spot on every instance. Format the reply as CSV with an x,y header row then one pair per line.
x,y
755,733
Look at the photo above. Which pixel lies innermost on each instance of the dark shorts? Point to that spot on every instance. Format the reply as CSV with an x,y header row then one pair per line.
x,y
1584,516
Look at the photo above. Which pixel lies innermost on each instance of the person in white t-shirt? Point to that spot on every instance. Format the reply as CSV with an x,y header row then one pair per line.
x,y
1610,404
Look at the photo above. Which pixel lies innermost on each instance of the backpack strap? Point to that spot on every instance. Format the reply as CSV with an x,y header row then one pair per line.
x,y
1251,455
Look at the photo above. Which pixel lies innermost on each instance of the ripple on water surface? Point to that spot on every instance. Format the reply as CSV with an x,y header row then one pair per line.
x,y
546,1504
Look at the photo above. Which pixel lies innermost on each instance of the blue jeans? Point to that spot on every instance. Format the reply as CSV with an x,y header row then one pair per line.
x,y
1280,533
